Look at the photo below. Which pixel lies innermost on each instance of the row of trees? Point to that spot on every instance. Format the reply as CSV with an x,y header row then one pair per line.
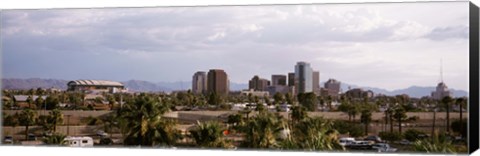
x,y
30,117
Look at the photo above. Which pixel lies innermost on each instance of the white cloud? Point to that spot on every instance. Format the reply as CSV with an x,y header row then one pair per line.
x,y
350,42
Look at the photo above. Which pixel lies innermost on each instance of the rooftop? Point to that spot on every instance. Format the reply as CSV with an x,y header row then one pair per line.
x,y
95,83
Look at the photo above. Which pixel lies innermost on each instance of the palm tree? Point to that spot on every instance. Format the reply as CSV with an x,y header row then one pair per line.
x,y
400,115
167,133
27,118
298,113
11,120
461,102
366,118
313,134
317,134
345,107
55,117
142,117
262,131
210,135
446,101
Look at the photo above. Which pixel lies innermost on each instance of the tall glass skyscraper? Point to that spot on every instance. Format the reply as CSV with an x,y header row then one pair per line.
x,y
303,77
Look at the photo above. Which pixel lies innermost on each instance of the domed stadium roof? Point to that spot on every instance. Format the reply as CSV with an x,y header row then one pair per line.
x,y
94,83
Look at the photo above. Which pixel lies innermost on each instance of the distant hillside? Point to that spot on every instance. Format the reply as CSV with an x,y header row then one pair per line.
x,y
413,91
133,85
146,86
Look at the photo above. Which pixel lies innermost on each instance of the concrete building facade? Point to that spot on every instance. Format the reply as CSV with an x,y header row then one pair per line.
x,y
258,84
291,79
199,82
316,82
217,82
332,87
279,80
441,91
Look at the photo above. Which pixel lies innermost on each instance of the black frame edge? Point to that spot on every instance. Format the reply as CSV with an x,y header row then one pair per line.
x,y
473,106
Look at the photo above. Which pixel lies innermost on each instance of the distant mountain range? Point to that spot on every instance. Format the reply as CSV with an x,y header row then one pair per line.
x,y
146,86
412,91
133,85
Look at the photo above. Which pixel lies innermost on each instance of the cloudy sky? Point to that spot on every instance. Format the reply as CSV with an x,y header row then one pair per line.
x,y
385,45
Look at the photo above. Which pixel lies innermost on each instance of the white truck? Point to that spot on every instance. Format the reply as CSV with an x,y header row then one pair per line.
x,y
79,141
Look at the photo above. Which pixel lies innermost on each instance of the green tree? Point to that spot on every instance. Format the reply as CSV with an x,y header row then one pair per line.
x,y
399,115
10,120
29,101
209,135
458,126
39,102
55,118
214,99
27,118
44,121
278,98
317,134
142,117
55,139
366,118
261,131
308,100
289,98
52,102
235,119
461,103
390,136
352,129
446,103
413,134
298,113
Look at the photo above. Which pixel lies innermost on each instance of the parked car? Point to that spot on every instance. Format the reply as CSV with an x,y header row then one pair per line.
x,y
31,137
383,147
106,141
102,133
8,140
405,142
375,139
346,141
362,145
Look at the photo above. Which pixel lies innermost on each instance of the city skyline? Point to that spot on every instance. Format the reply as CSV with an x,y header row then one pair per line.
x,y
368,45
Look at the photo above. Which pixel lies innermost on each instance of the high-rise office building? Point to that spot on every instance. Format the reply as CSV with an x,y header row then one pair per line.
x,y
303,77
333,87
316,82
441,91
217,82
279,80
199,82
291,79
258,84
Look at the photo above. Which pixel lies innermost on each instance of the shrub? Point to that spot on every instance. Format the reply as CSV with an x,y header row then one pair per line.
x,y
457,127
354,130
394,136
412,134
